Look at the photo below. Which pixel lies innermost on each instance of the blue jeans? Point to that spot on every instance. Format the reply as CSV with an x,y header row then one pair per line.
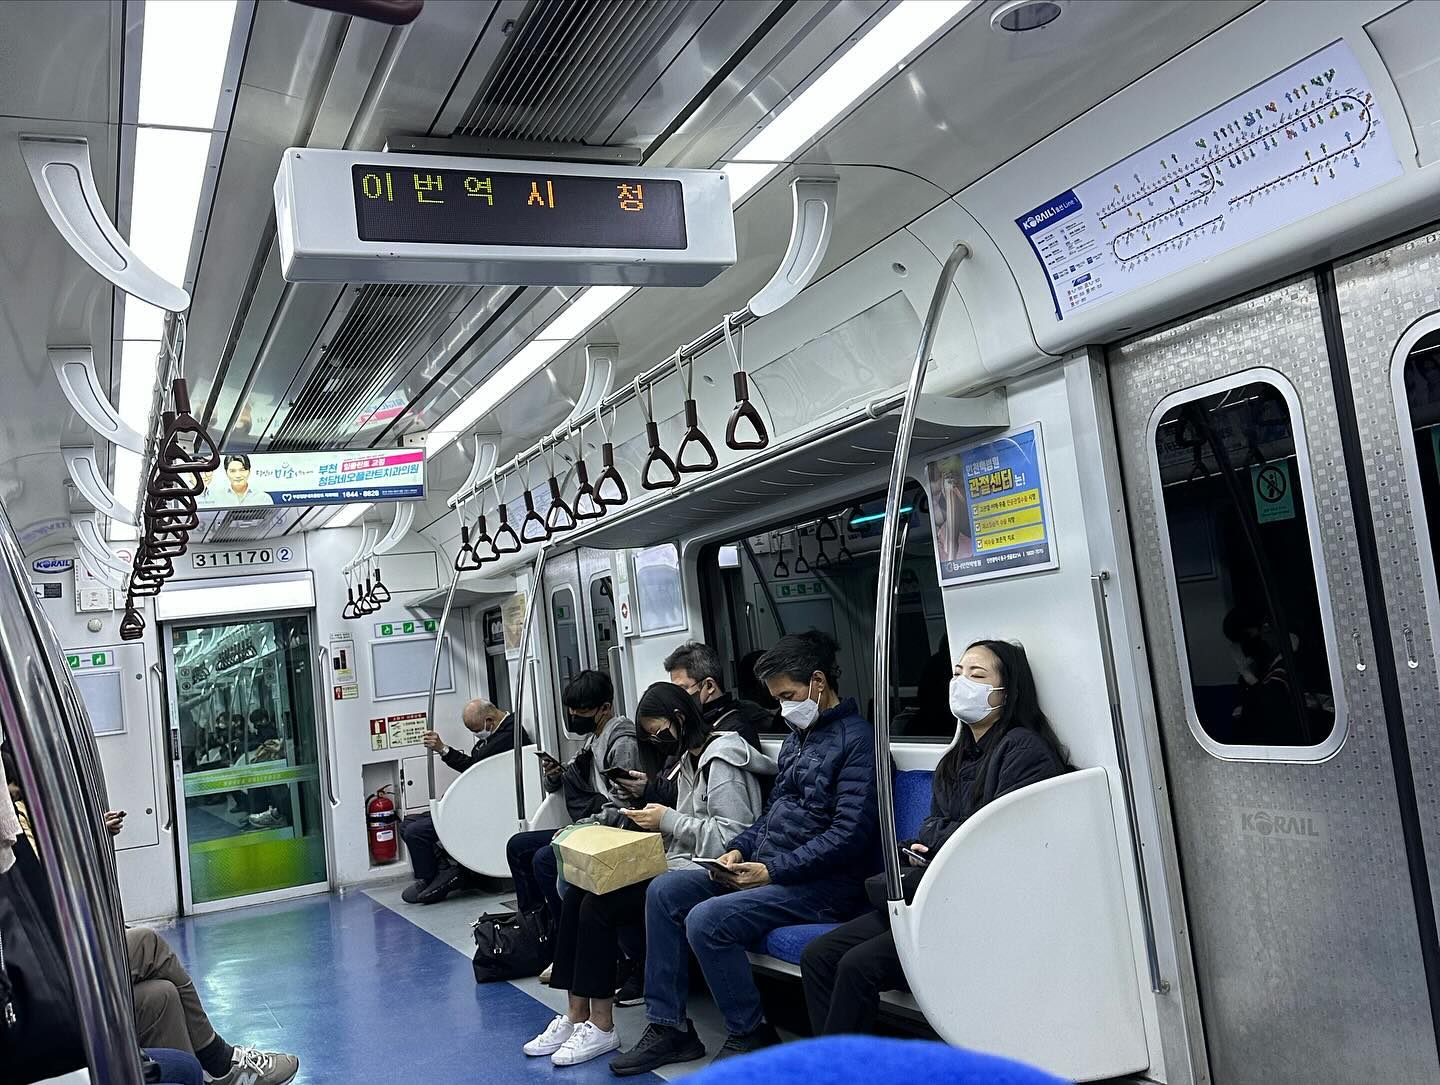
x,y
177,1067
685,909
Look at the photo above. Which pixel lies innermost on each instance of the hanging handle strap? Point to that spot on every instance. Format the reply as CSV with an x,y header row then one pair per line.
x,y
744,410
694,435
609,474
559,516
657,456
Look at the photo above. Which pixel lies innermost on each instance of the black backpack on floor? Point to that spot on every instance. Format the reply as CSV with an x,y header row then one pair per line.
x,y
511,945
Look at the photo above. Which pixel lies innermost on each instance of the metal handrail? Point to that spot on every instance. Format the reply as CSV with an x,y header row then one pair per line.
x,y
69,833
1158,984
622,395
165,781
322,662
890,568
526,629
435,677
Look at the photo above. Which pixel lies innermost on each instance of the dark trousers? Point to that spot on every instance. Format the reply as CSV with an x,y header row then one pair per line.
x,y
845,971
423,843
588,942
532,865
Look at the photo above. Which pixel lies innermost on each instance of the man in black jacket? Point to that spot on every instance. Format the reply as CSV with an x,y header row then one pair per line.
x,y
695,668
436,874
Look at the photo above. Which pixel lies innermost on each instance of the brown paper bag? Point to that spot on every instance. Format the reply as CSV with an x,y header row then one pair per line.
x,y
603,859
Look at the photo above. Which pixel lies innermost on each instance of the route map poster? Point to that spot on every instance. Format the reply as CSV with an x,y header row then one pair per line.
x,y
1302,141
990,509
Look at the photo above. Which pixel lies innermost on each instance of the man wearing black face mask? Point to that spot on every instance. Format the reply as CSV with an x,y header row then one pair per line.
x,y
696,668
589,793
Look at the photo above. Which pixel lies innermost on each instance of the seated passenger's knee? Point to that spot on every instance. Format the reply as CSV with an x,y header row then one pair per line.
x,y
704,927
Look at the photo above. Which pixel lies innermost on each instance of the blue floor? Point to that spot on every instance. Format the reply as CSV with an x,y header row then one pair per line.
x,y
360,994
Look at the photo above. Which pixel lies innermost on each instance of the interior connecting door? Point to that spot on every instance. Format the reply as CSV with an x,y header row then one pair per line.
x,y
1273,715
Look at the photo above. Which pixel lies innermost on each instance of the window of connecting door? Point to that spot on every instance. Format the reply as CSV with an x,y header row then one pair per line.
x,y
1417,381
565,625
1245,574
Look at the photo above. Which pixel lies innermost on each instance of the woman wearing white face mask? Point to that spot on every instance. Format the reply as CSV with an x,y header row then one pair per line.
x,y
1003,743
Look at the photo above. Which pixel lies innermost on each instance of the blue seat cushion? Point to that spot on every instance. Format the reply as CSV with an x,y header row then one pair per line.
x,y
787,943
912,804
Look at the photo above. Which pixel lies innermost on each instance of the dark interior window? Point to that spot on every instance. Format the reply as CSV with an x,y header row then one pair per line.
x,y
820,572
1422,390
1235,511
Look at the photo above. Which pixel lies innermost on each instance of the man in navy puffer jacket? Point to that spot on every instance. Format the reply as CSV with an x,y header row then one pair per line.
x,y
804,861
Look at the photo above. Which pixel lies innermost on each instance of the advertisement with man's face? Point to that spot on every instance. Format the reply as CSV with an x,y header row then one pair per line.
x,y
314,478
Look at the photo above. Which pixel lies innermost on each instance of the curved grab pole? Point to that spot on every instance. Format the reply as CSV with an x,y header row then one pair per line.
x,y
435,677
536,589
890,568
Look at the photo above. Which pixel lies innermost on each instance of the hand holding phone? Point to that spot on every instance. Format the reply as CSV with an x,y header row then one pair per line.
x,y
915,857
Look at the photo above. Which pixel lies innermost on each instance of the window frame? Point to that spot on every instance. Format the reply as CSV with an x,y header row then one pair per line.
x,y
1290,754
714,607
640,607
1414,492
560,680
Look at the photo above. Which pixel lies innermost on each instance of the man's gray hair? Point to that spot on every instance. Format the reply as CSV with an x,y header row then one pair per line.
x,y
698,660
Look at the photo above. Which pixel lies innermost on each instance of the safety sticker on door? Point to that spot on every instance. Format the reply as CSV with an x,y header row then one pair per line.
x,y
1273,493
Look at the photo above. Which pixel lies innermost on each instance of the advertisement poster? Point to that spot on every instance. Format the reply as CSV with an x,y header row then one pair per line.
x,y
314,478
990,509
343,686
512,613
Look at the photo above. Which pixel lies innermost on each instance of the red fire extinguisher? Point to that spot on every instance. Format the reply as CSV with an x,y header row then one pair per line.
x,y
380,827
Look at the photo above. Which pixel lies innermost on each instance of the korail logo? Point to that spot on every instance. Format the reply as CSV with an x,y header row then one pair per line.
x,y
1283,825
52,565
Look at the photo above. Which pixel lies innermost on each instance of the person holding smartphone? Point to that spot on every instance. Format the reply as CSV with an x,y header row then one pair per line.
x,y
589,793
1003,742
717,777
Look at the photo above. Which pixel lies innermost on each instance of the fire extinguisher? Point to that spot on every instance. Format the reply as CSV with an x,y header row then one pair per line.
x,y
380,827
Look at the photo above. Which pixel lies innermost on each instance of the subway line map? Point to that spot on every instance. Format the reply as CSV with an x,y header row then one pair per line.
x,y
1302,141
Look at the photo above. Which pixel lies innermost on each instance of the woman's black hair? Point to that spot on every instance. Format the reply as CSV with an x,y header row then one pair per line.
x,y
1021,709
799,656
667,701
236,457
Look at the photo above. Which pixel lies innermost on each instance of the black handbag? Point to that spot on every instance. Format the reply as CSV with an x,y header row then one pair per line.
x,y
511,945
39,1028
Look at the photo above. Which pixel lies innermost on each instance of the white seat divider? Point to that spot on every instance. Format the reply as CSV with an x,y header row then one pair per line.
x,y
1018,942
476,816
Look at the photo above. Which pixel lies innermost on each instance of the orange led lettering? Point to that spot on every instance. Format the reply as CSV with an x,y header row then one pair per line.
x,y
428,182
481,188
632,197
538,200
374,187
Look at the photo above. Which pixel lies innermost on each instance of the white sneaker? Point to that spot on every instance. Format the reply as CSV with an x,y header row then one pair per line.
x,y
552,1039
269,819
251,1067
588,1041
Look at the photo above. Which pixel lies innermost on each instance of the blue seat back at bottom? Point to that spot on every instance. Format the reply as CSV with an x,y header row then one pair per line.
x,y
912,804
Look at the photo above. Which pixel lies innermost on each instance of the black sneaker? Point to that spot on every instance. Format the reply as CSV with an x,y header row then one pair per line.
x,y
632,991
764,1036
441,887
413,891
660,1046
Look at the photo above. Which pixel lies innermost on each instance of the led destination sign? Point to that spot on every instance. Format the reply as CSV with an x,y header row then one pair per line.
x,y
482,207
387,217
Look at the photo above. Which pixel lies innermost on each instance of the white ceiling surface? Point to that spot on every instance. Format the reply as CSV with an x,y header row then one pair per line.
x,y
974,100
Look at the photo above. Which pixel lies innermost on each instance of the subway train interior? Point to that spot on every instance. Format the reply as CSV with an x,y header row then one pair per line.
x,y
330,455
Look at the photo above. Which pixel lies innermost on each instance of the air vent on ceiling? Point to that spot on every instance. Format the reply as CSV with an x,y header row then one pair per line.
x,y
564,66
363,362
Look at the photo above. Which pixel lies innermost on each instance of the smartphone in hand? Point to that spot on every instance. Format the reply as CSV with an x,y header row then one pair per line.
x,y
915,857
619,775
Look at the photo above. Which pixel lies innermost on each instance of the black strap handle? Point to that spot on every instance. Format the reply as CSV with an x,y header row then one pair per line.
x,y
506,541
587,504
480,538
465,558
206,456
560,517
745,410
657,457
380,593
350,612
610,476
694,435
540,533
132,625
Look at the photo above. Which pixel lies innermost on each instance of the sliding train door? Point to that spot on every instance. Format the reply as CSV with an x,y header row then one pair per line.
x,y
1389,307
1287,804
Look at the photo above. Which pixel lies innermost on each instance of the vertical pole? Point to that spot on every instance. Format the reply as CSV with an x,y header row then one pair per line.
x,y
890,569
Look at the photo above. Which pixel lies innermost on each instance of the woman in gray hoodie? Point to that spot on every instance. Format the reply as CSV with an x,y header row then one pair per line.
x,y
719,795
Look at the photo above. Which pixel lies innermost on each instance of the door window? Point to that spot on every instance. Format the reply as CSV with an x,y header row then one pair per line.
x,y
245,710
1421,377
602,621
566,628
1245,572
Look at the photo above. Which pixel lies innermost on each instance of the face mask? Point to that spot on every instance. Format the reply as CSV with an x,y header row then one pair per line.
x,y
800,715
579,725
970,700
665,741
